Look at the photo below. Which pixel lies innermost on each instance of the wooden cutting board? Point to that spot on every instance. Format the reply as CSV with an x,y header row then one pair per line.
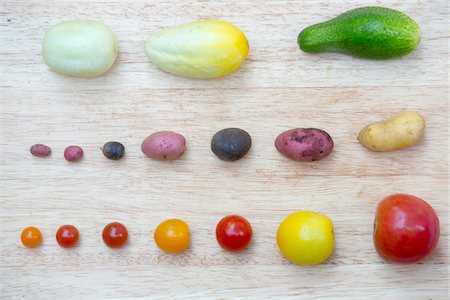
x,y
277,88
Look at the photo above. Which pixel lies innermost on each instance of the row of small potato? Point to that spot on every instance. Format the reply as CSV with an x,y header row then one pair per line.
x,y
300,144
406,230
210,48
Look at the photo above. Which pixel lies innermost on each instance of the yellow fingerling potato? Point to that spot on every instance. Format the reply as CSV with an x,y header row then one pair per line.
x,y
402,130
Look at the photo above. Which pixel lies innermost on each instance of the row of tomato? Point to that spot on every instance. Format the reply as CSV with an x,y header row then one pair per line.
x,y
406,230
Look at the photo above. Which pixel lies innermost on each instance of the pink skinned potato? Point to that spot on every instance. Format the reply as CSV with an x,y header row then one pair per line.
x,y
304,144
73,153
40,150
164,145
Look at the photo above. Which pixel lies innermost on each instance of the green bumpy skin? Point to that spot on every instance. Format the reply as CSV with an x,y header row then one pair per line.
x,y
368,32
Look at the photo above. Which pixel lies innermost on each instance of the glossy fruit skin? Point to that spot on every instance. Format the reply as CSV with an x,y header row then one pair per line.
x,y
67,236
234,233
406,229
172,236
369,32
73,153
306,237
113,150
31,237
231,144
115,235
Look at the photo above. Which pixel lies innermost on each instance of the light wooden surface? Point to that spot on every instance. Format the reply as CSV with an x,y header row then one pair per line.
x,y
277,88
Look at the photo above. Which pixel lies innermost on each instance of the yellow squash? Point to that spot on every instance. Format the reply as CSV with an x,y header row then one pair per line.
x,y
203,49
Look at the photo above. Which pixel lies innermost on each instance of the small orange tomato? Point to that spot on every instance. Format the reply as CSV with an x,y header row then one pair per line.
x,y
31,237
172,236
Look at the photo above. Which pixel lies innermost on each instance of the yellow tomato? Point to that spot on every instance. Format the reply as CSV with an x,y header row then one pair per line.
x,y
172,236
306,237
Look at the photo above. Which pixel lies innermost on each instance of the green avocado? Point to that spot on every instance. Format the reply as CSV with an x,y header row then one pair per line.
x,y
369,32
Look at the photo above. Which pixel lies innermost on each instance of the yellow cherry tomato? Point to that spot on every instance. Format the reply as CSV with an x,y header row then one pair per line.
x,y
172,236
306,238
31,237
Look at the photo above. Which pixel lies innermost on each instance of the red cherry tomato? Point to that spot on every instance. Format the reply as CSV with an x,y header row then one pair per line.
x,y
67,236
406,228
115,235
234,233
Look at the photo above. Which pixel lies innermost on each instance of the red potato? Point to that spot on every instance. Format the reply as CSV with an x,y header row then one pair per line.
x,y
304,144
73,153
40,150
164,145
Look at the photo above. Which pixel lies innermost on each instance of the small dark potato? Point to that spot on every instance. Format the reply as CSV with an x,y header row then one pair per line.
x,y
304,144
113,150
231,144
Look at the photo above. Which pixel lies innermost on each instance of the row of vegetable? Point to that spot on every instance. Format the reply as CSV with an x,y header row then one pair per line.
x,y
406,230
300,144
210,48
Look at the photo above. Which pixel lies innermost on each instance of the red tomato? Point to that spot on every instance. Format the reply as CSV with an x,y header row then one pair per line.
x,y
234,233
406,228
67,236
115,235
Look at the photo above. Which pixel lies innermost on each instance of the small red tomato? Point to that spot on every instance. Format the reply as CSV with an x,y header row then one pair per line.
x,y
234,233
406,228
115,235
67,236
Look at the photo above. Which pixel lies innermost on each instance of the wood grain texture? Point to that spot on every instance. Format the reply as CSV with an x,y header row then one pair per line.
x,y
277,88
